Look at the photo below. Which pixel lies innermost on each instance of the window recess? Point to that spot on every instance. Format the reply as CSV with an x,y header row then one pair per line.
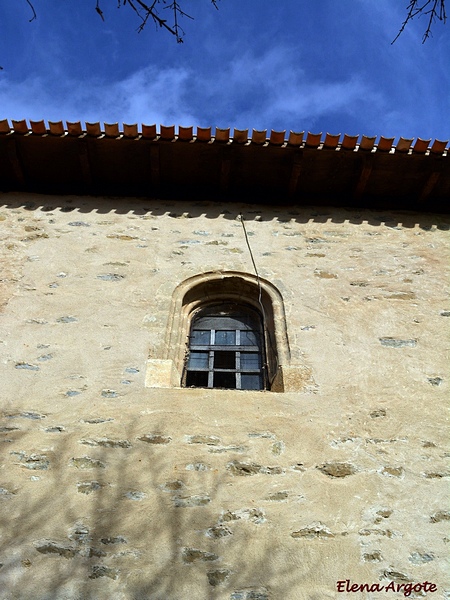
x,y
226,349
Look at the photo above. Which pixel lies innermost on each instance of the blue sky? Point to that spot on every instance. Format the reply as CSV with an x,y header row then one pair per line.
x,y
317,65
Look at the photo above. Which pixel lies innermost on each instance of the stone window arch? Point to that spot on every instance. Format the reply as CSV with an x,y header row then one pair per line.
x,y
206,292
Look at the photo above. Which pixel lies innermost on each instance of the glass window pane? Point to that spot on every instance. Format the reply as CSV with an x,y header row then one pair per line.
x,y
251,382
198,360
250,361
200,337
225,380
224,360
225,338
197,379
249,338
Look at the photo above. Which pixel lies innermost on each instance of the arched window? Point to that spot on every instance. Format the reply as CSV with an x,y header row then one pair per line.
x,y
226,329
226,348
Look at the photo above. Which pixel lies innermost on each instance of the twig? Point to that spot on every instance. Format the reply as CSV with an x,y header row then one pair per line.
x,y
99,10
34,12
435,9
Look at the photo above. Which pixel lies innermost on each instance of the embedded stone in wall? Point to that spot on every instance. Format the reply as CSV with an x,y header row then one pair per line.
x,y
254,515
222,449
324,274
197,467
123,237
393,471
27,366
135,495
6,429
87,487
218,531
114,540
111,277
190,501
109,394
245,469
155,438
272,470
250,594
107,443
4,493
80,533
397,343
86,462
401,296
396,576
374,556
377,413
209,440
34,462
379,532
172,486
190,555
315,530
217,577
382,514
436,475
103,571
277,448
27,415
420,558
337,469
91,552
51,547
359,283
440,515
278,496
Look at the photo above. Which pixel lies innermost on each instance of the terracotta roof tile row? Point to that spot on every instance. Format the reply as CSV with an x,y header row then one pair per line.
x,y
223,136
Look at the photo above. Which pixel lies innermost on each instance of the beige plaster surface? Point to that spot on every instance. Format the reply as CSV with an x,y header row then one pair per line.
x,y
112,487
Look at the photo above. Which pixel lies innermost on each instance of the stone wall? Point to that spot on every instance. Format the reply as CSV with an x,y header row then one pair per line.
x,y
113,490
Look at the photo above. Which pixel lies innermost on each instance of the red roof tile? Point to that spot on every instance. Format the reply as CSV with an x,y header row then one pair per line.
x,y
37,156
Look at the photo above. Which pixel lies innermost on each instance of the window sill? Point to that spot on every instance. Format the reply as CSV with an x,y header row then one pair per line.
x,y
163,374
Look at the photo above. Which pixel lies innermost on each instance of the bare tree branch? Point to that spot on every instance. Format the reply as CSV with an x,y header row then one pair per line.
x,y
99,10
433,9
34,12
146,11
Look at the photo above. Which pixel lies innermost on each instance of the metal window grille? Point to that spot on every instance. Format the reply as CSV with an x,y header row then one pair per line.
x,y
226,350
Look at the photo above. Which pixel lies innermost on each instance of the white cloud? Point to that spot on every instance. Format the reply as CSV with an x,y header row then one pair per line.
x,y
148,96
274,90
271,90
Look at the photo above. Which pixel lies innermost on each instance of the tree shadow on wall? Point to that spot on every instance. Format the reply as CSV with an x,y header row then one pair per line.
x,y
123,520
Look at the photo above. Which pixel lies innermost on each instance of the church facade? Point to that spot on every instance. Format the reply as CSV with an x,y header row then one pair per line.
x,y
227,379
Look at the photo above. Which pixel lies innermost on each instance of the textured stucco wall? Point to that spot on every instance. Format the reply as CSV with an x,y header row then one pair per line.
x,y
109,489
